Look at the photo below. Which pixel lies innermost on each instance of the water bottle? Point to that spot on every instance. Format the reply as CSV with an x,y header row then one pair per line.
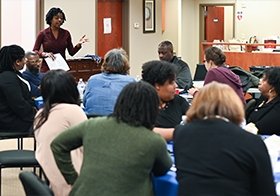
x,y
81,87
137,78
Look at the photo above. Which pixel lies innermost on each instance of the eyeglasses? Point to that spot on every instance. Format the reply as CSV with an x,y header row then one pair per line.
x,y
34,61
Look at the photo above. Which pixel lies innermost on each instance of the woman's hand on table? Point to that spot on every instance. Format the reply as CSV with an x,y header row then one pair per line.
x,y
166,133
192,91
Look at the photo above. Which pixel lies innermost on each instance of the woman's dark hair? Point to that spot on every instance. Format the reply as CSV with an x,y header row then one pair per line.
x,y
57,86
116,62
157,72
9,55
272,75
216,55
53,12
137,105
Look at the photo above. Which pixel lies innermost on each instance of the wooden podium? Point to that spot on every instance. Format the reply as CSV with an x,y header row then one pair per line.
x,y
246,58
83,68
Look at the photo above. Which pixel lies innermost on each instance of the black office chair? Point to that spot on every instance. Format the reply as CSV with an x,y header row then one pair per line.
x,y
18,157
33,185
17,135
200,72
249,105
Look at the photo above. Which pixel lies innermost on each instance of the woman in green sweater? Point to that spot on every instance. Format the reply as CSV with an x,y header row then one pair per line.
x,y
120,151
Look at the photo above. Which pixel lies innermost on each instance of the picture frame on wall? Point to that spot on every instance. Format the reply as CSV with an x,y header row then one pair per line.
x,y
149,20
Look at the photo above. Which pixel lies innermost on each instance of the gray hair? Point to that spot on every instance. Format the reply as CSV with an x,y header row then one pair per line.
x,y
116,62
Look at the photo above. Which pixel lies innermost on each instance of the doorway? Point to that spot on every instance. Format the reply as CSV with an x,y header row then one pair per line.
x,y
214,23
210,22
116,11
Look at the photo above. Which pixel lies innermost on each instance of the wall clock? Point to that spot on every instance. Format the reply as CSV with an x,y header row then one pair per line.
x,y
147,13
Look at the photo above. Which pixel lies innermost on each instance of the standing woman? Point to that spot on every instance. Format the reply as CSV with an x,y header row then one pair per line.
x,y
17,110
54,39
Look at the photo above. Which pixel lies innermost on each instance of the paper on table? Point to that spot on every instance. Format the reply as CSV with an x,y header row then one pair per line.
x,y
58,63
273,143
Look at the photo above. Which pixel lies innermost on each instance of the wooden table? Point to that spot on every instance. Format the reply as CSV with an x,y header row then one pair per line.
x,y
83,68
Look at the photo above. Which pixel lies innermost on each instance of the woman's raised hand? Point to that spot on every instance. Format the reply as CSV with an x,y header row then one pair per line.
x,y
82,40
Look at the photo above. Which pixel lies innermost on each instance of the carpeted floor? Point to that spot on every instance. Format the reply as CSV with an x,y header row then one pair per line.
x,y
11,185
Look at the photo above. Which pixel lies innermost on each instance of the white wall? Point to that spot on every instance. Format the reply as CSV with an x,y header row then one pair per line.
x,y
172,23
18,23
228,23
142,47
260,18
189,34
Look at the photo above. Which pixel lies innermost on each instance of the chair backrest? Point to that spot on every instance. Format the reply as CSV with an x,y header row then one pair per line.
x,y
33,185
17,135
200,72
94,115
249,105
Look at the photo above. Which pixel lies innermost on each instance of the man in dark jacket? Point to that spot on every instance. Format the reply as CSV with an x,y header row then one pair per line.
x,y
165,53
32,74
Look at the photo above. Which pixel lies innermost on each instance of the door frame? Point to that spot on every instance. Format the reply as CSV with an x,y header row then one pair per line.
x,y
202,21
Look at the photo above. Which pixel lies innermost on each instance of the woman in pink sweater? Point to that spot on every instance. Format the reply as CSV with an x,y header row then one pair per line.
x,y
60,111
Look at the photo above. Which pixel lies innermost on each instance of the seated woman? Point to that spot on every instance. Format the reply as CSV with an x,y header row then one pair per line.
x,y
120,151
213,155
162,76
103,89
59,112
17,110
217,71
265,113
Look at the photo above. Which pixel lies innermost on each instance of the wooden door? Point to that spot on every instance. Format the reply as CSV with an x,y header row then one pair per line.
x,y
109,9
214,23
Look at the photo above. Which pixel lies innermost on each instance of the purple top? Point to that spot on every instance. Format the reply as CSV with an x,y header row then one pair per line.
x,y
224,75
51,44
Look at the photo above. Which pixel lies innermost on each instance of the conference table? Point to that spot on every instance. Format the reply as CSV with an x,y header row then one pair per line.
x,y
253,91
167,185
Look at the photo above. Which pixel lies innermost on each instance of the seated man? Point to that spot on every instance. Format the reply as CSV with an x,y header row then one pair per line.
x,y
162,76
32,74
165,53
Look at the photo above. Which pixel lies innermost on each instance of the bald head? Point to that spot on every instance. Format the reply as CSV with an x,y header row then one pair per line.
x,y
165,51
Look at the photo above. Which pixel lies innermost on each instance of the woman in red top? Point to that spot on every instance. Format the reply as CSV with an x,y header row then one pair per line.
x,y
55,39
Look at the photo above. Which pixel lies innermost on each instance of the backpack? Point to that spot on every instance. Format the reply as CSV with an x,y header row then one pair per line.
x,y
247,79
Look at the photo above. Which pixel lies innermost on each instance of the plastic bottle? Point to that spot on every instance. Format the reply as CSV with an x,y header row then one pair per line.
x,y
137,78
81,87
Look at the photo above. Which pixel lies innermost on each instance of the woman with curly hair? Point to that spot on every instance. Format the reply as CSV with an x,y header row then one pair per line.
x,y
55,39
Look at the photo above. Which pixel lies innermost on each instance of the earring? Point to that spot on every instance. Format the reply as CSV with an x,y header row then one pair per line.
x,y
270,91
